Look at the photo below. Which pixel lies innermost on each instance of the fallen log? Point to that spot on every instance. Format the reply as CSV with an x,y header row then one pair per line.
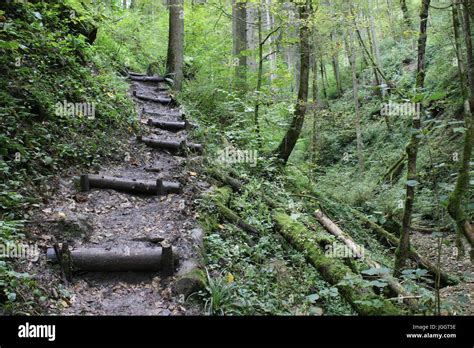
x,y
391,240
178,147
394,170
225,179
161,100
219,198
163,114
358,251
147,78
387,237
119,259
446,279
173,126
153,187
331,269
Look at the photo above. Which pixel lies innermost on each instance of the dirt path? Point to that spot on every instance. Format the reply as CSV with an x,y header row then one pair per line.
x,y
106,218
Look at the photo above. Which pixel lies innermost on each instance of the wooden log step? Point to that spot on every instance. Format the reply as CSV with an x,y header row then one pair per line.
x,y
173,126
161,100
122,259
193,147
152,187
179,147
164,113
147,78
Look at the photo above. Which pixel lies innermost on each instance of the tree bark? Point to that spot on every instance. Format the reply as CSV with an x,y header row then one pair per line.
x,y
240,41
455,209
331,269
175,59
355,93
121,259
356,249
406,14
288,143
403,252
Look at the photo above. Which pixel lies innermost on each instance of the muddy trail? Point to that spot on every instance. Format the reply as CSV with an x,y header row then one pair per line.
x,y
109,219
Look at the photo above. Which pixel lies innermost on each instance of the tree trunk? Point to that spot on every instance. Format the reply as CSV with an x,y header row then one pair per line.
x,y
269,27
406,14
355,90
358,250
331,269
455,209
288,143
260,74
240,42
175,60
251,27
373,36
403,251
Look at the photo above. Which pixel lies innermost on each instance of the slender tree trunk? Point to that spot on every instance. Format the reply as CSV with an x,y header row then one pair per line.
x,y
269,27
240,41
175,61
260,72
390,20
455,209
251,35
323,84
373,36
337,74
288,142
374,67
355,89
406,14
403,250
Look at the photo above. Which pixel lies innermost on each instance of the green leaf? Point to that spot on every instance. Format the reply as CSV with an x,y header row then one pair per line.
x,y
47,160
11,296
378,283
412,183
312,298
459,130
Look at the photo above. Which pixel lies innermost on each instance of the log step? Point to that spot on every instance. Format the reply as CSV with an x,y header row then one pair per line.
x,y
179,147
164,114
161,100
122,259
152,187
173,126
147,78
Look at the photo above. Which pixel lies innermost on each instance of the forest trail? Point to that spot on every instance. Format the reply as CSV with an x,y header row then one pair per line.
x,y
105,218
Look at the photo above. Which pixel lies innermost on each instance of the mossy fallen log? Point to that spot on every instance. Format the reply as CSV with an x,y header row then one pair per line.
x,y
395,170
359,251
392,241
220,197
363,300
